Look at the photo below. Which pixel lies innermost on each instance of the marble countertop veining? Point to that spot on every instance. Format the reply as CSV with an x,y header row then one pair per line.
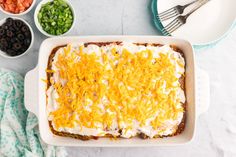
x,y
216,129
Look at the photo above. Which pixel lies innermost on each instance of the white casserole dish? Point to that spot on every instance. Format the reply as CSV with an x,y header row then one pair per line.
x,y
197,93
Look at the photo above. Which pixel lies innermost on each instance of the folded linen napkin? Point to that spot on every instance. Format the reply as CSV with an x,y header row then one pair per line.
x,y
19,134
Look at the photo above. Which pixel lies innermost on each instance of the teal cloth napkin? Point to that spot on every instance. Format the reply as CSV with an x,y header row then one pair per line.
x,y
19,135
159,27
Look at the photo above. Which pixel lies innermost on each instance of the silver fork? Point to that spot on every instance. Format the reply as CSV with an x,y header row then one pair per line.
x,y
181,20
175,11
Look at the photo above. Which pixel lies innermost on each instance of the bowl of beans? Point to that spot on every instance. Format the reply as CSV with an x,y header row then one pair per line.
x,y
16,37
54,17
16,7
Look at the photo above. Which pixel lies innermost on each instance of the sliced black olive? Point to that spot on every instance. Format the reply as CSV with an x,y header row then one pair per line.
x,y
27,42
3,49
16,28
7,40
2,32
19,53
24,29
13,40
3,42
9,33
27,34
5,26
11,29
18,32
24,48
9,51
16,46
20,37
17,40
9,21
18,23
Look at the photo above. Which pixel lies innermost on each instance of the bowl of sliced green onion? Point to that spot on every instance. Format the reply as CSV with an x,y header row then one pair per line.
x,y
54,17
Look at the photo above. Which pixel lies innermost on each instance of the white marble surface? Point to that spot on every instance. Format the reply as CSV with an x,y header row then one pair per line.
x,y
216,129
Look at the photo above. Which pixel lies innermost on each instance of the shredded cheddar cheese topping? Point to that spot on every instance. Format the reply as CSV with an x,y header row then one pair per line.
x,y
115,86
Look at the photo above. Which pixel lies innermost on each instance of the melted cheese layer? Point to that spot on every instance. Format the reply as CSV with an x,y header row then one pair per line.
x,y
122,90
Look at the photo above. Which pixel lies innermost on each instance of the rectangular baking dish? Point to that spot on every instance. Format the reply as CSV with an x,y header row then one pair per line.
x,y
197,93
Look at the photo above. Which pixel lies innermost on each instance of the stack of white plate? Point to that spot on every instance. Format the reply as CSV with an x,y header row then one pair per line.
x,y
205,26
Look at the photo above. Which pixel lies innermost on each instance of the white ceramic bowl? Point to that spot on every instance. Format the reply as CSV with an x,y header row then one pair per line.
x,y
197,93
36,21
19,14
32,39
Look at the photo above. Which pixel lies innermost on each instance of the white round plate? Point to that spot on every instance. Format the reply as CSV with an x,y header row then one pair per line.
x,y
208,24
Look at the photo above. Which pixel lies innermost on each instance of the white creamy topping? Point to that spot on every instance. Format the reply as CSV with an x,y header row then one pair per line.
x,y
169,126
52,103
93,49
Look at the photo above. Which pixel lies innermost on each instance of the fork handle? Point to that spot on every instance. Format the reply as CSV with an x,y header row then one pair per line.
x,y
186,5
201,3
183,7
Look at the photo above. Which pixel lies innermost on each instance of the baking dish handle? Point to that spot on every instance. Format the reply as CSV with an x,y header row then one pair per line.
x,y
31,91
203,91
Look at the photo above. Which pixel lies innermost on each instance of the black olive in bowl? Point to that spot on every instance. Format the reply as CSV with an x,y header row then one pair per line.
x,y
16,37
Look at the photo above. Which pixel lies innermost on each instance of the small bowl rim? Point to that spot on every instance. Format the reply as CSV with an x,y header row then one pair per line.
x,y
38,25
4,54
19,14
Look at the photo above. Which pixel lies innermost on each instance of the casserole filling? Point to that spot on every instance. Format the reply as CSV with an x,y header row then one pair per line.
x,y
119,90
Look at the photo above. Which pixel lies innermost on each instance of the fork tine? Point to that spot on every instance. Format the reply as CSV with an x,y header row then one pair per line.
x,y
168,16
174,28
165,32
166,11
171,23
